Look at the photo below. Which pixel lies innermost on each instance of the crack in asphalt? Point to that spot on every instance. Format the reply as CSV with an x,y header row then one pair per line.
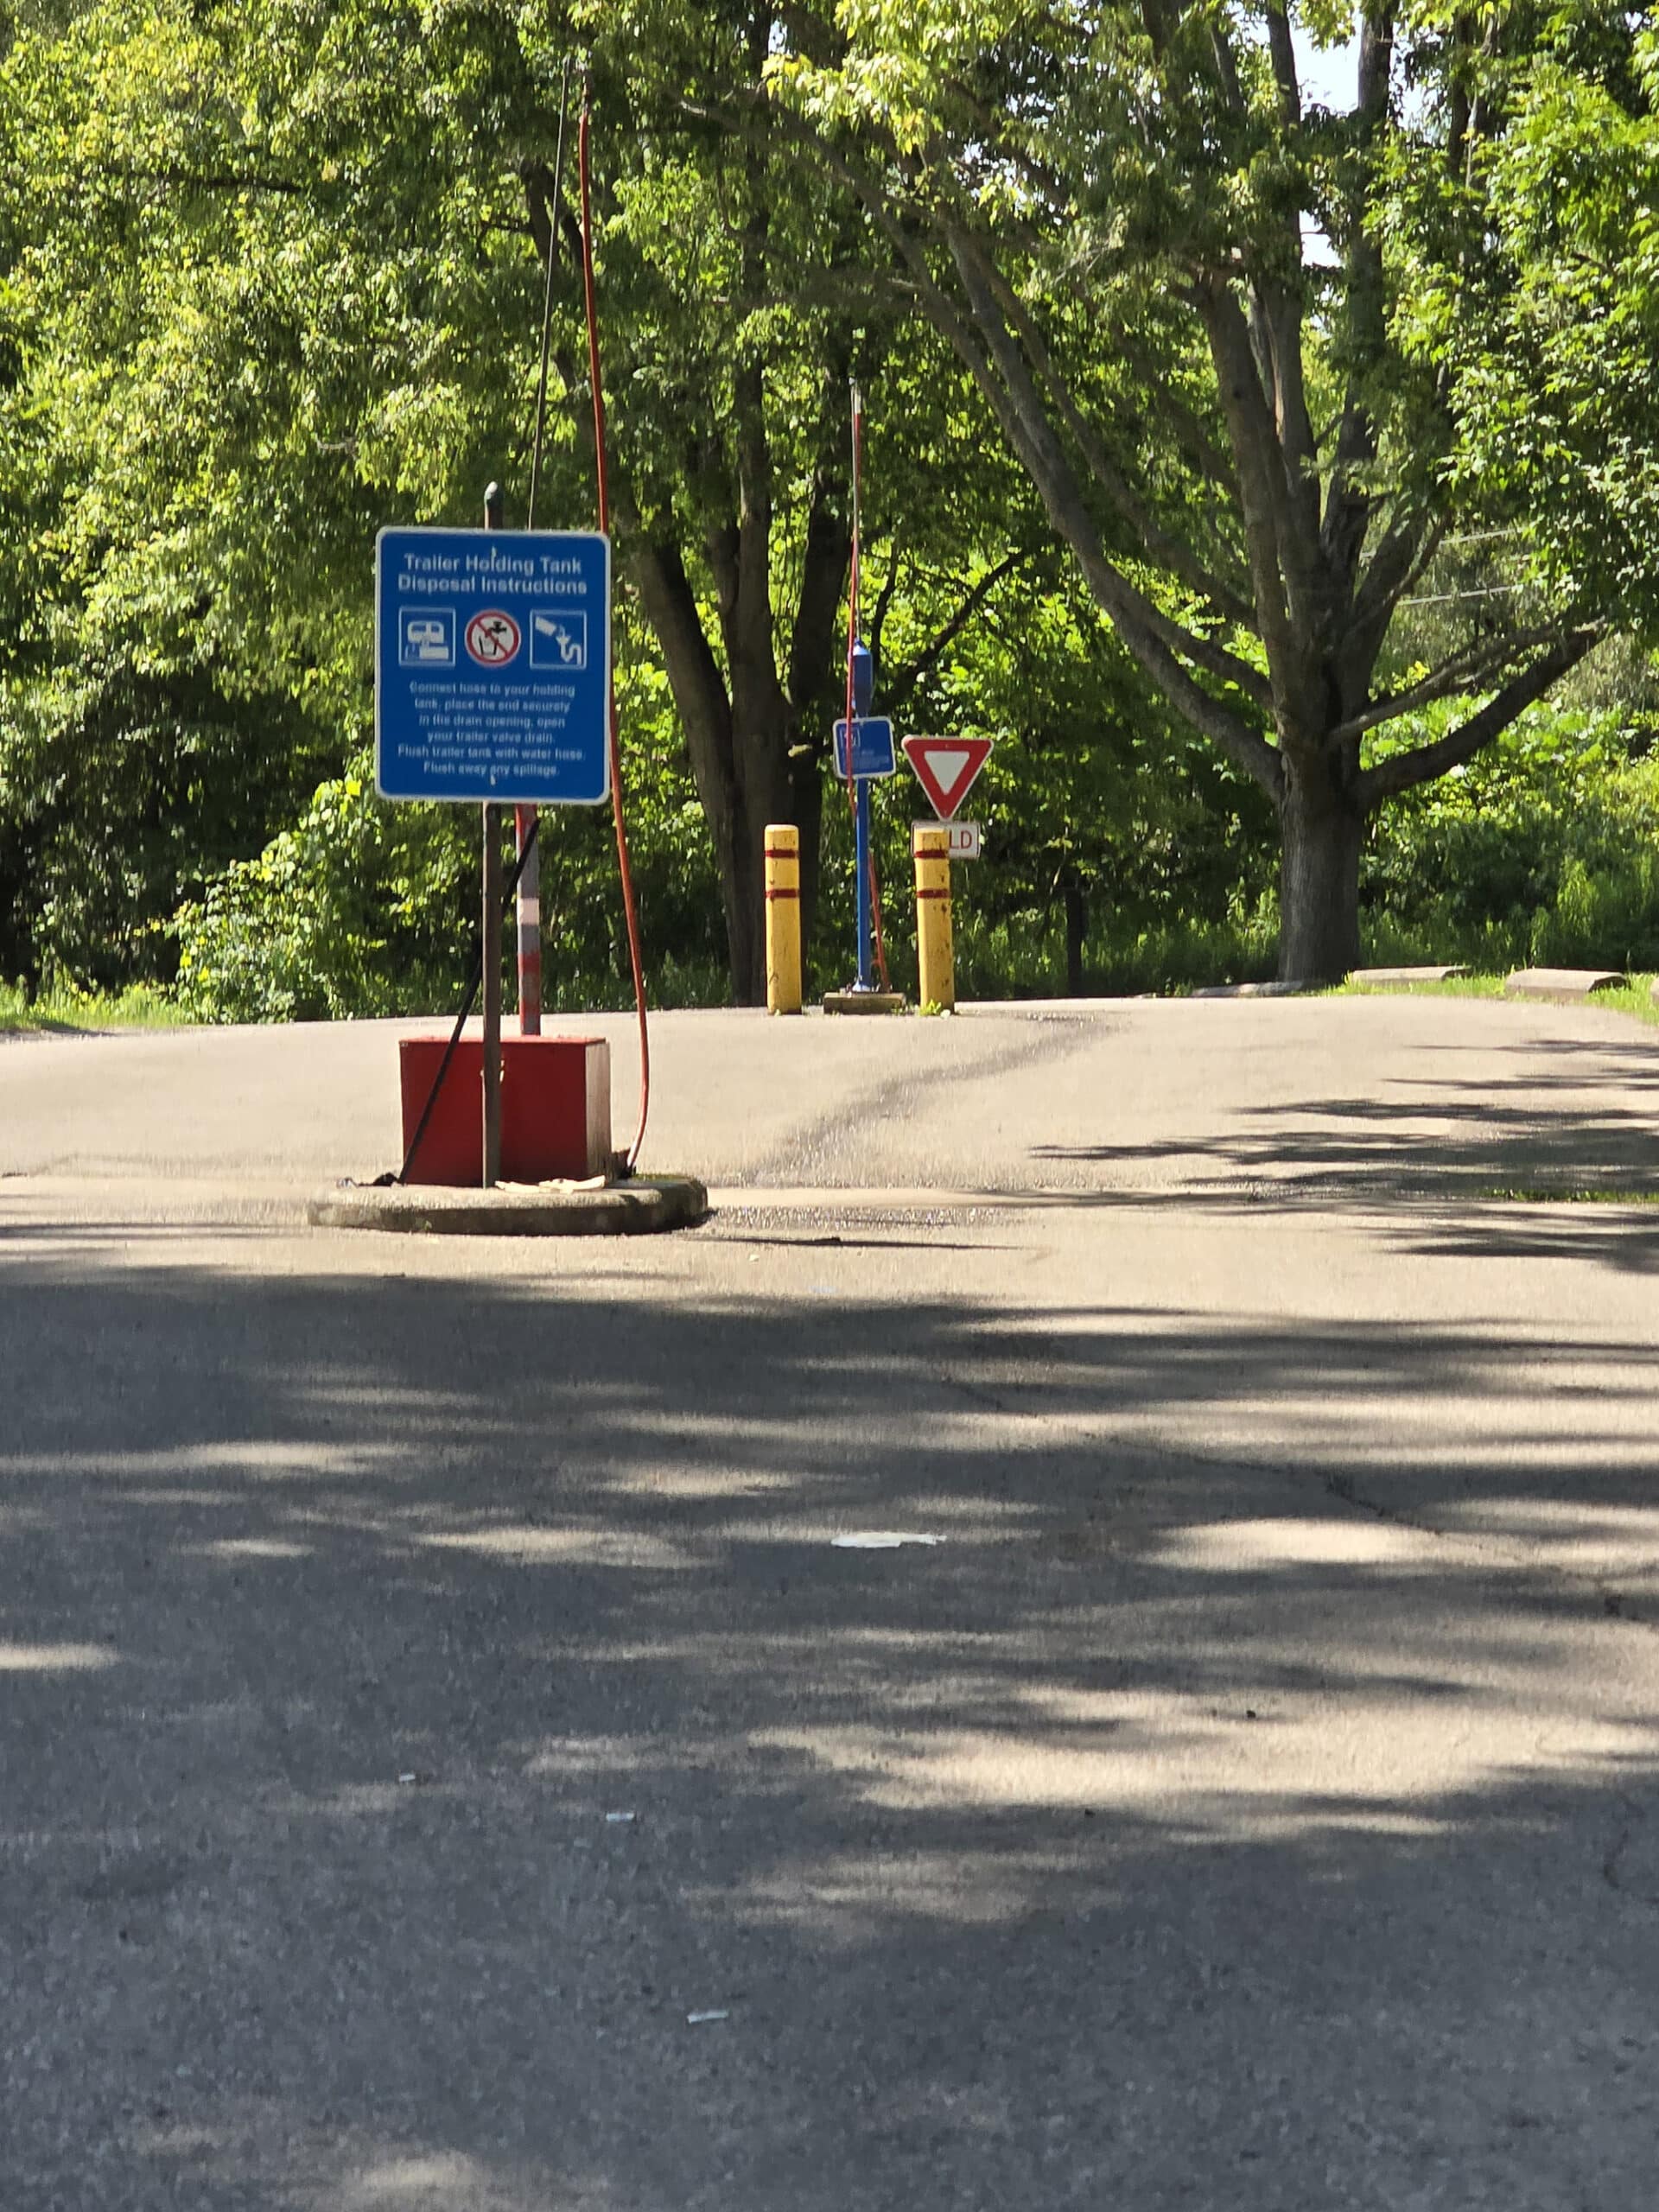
x,y
885,1100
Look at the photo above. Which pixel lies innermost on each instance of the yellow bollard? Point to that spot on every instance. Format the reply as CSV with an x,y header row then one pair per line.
x,y
783,851
935,959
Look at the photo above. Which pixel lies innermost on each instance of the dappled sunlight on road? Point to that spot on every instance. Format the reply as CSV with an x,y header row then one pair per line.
x,y
474,1663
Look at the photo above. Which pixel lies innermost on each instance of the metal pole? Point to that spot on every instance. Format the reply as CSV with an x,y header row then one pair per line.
x,y
530,924
861,846
492,928
491,996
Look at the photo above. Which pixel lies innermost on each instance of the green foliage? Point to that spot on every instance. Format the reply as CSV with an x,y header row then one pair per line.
x,y
1026,956
256,268
1531,287
341,914
267,280
361,908
1543,851
139,1007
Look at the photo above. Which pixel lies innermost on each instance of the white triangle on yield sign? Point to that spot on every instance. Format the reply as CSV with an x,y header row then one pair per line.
x,y
946,767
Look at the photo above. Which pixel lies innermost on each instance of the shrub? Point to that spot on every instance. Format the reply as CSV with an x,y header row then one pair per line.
x,y
1544,850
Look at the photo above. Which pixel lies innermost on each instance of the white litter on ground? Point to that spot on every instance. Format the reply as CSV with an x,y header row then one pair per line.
x,y
879,1539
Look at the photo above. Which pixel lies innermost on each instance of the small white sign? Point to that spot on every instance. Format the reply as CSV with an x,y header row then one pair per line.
x,y
966,838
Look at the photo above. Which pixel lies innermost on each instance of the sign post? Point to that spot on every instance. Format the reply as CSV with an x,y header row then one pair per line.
x,y
493,671
530,921
494,625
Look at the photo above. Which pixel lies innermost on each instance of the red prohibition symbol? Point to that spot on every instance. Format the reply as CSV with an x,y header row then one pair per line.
x,y
492,637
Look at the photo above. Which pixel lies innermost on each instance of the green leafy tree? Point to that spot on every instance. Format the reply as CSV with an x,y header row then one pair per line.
x,y
1254,446
277,279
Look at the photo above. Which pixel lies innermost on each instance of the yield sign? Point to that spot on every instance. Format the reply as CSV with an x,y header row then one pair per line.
x,y
945,768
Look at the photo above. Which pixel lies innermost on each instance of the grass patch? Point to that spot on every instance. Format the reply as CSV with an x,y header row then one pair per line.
x,y
70,1012
1635,999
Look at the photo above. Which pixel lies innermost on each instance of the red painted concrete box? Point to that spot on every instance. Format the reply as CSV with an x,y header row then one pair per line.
x,y
556,1109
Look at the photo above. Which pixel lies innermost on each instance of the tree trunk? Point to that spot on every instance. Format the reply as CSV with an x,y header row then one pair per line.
x,y
1319,897
1076,923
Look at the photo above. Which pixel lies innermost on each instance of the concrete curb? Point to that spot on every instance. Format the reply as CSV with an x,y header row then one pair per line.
x,y
1275,990
637,1208
1565,985
1403,979
865,1002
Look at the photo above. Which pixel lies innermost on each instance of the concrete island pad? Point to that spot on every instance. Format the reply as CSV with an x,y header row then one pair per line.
x,y
636,1207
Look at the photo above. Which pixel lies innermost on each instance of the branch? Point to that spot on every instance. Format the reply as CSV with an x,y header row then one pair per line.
x,y
884,600
828,538
1006,382
214,180
1278,577
1281,313
1284,64
1172,553
1468,671
1226,68
1398,562
1235,739
1403,771
905,682
1187,424
693,675
1347,511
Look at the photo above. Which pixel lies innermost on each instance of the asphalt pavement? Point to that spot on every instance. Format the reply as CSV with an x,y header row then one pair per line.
x,y
470,1738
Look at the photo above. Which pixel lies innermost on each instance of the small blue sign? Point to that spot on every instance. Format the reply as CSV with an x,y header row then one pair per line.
x,y
873,753
493,666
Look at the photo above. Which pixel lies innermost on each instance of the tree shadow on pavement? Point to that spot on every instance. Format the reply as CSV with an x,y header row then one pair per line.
x,y
1250,1799
1441,1135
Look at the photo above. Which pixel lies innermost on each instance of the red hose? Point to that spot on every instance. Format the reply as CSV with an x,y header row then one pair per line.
x,y
630,904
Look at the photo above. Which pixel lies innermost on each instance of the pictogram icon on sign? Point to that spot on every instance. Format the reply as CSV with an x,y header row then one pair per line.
x,y
426,638
493,637
558,638
946,767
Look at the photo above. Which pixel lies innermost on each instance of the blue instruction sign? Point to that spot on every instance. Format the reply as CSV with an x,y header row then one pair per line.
x,y
493,666
873,753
